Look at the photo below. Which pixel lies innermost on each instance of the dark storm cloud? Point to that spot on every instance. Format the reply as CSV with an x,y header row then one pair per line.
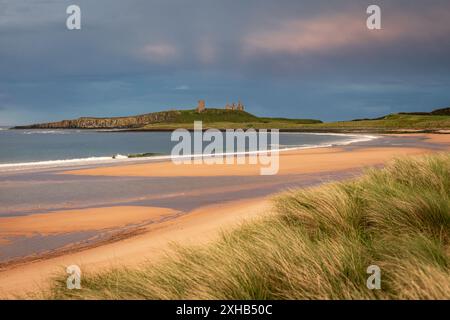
x,y
289,58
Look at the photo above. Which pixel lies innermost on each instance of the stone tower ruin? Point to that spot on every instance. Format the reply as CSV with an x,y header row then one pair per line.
x,y
201,106
240,106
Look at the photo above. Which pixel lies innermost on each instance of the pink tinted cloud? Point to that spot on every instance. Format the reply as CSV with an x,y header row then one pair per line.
x,y
325,33
159,52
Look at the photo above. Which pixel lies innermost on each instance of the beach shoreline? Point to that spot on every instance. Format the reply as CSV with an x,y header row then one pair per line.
x,y
196,226
118,159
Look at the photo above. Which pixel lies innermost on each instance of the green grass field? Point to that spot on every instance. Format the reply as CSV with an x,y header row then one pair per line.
x,y
243,120
225,119
317,244
212,115
395,121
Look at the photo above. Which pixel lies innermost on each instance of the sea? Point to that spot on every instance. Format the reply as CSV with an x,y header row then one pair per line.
x,y
35,148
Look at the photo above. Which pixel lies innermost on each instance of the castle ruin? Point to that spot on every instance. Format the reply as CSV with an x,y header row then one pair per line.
x,y
201,106
239,106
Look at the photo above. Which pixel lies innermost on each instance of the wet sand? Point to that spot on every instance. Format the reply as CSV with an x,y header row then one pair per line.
x,y
291,162
197,227
165,202
78,220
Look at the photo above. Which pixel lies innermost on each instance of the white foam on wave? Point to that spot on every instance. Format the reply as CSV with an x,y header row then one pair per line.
x,y
56,163
45,132
120,156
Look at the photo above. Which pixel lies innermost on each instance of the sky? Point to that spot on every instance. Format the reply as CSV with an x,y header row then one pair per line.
x,y
282,58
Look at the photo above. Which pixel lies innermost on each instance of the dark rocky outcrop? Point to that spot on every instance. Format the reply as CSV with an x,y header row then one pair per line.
x,y
108,123
437,112
441,112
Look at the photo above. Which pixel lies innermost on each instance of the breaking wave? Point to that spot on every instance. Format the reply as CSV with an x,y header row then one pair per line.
x,y
123,158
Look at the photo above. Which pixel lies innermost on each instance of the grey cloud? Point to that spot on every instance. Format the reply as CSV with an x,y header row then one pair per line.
x,y
131,55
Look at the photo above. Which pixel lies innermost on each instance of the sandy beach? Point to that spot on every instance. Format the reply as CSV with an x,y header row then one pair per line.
x,y
291,162
219,197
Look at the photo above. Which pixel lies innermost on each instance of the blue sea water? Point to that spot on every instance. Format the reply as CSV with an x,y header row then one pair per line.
x,y
30,146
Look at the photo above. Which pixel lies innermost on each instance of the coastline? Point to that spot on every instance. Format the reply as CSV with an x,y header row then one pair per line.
x,y
118,158
330,129
201,224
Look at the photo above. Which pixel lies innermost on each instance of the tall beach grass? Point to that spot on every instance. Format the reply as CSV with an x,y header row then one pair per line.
x,y
317,244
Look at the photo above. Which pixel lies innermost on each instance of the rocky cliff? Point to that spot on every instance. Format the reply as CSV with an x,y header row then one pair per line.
x,y
108,123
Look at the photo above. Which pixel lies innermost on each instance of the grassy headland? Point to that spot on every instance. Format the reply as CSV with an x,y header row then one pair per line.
x,y
317,244
401,122
392,122
167,120
437,120
389,124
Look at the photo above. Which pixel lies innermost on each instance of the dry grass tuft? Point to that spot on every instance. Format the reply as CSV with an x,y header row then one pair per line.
x,y
317,245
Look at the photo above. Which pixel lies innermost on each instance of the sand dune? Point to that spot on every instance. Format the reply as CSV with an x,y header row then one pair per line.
x,y
194,227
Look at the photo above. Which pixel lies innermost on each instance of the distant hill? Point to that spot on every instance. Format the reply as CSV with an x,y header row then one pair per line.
x,y
175,117
437,112
434,121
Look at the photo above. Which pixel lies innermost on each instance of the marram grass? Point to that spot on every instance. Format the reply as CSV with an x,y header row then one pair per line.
x,y
317,244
